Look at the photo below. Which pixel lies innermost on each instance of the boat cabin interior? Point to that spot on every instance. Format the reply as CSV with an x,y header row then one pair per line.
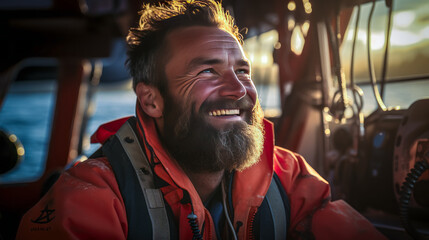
x,y
345,83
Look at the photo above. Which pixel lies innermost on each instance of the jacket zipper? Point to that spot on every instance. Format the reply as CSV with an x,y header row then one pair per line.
x,y
250,233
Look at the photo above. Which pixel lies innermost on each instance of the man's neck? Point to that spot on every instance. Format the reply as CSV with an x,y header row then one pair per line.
x,y
205,183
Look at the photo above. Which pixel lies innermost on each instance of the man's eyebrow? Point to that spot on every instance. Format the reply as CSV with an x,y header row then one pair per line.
x,y
243,63
203,61
213,61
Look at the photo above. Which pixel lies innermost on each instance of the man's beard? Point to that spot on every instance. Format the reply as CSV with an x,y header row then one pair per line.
x,y
200,147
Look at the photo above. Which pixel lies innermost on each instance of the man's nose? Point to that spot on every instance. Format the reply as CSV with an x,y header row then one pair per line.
x,y
232,87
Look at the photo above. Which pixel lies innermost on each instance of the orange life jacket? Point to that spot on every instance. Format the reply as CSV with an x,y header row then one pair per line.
x,y
86,202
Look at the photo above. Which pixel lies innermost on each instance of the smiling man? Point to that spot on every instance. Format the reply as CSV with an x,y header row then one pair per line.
x,y
198,160
210,120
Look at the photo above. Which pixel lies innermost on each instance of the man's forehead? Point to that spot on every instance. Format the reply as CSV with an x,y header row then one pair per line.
x,y
201,36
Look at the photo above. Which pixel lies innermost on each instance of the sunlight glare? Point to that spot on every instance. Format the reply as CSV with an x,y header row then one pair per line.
x,y
291,6
290,24
404,38
305,26
404,19
377,40
264,59
424,33
297,41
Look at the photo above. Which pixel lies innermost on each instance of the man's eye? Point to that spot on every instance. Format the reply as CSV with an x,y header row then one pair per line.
x,y
242,71
208,70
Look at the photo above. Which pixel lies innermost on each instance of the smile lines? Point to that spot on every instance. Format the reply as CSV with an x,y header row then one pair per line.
x,y
224,112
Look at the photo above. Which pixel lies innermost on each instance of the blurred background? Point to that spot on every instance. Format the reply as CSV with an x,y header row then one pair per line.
x,y
337,77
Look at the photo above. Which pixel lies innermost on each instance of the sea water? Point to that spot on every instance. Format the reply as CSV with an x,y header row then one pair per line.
x,y
27,112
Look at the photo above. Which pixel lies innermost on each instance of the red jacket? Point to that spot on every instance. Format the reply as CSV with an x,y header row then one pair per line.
x,y
85,202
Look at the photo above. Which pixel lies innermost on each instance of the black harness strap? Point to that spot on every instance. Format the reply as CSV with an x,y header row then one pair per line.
x,y
284,198
273,216
130,190
144,204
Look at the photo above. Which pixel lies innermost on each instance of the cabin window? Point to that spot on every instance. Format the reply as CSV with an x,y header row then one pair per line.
x,y
27,112
111,101
259,49
407,74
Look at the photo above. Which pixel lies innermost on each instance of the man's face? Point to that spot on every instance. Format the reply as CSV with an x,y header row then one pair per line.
x,y
210,108
208,64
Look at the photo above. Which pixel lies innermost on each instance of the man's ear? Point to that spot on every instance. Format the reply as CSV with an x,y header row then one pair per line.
x,y
150,100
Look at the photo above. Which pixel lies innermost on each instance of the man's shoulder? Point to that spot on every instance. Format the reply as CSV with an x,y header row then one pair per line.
x,y
99,162
285,154
84,196
94,173
90,178
289,162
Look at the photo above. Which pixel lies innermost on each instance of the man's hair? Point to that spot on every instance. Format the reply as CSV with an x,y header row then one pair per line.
x,y
146,41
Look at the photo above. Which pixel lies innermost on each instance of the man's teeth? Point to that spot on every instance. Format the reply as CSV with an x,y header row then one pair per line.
x,y
224,112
